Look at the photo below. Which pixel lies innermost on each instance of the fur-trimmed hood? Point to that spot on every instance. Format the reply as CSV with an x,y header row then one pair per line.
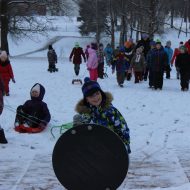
x,y
82,108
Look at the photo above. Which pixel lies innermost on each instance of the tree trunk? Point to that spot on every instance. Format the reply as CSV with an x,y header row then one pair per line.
x,y
152,22
172,16
4,27
97,24
112,25
123,25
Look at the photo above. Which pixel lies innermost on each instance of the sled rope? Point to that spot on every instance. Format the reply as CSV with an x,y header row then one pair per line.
x,y
28,116
61,128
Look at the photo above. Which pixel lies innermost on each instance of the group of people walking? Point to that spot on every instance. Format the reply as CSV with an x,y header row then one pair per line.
x,y
147,60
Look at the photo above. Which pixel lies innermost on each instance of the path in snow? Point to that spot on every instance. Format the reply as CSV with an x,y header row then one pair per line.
x,y
158,170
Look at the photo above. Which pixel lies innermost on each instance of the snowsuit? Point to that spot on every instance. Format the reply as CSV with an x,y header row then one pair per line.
x,y
158,62
92,64
169,52
106,115
108,51
76,54
148,62
122,65
6,73
183,63
52,59
138,65
33,112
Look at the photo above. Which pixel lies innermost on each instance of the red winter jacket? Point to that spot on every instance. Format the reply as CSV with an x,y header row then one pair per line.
x,y
6,70
176,53
187,45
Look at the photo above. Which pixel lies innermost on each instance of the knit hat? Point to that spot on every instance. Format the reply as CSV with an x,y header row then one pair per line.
x,y
50,47
94,45
90,87
144,36
158,41
4,55
152,43
183,48
122,49
128,44
77,44
168,43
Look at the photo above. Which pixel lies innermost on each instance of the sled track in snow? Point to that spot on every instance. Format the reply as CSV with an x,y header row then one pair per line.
x,y
155,171
185,162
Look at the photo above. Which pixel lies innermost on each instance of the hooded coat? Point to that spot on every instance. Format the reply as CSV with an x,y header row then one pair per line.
x,y
106,115
36,108
92,62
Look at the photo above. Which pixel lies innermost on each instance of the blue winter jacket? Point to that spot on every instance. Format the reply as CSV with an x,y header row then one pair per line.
x,y
169,52
108,51
106,115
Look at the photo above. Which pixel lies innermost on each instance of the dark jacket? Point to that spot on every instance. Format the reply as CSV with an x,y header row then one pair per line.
x,y
145,44
76,55
52,56
158,60
37,108
106,115
183,62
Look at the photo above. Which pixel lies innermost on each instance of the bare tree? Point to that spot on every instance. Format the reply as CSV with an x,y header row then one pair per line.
x,y
19,19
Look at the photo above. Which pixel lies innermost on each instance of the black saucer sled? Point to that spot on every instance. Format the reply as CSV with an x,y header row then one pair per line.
x,y
53,70
90,157
77,81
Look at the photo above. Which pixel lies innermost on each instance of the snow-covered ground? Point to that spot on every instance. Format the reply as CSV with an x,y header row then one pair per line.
x,y
158,120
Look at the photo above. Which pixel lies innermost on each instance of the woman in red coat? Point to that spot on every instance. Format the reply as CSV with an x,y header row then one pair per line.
x,y
6,71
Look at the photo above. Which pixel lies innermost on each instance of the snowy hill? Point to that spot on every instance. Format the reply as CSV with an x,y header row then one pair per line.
x,y
158,120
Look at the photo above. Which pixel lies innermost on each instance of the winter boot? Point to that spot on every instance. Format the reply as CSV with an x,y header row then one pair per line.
x,y
3,140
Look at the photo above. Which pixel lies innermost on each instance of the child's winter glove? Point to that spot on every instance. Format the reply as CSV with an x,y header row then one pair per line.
x,y
13,80
80,119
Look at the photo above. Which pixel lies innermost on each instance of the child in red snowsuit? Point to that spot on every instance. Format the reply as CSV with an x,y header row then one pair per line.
x,y
6,71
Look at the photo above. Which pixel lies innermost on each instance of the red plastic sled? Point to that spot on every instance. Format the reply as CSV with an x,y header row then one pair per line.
x,y
23,129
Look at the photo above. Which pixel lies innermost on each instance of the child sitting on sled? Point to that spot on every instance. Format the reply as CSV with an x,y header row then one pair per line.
x,y
33,116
